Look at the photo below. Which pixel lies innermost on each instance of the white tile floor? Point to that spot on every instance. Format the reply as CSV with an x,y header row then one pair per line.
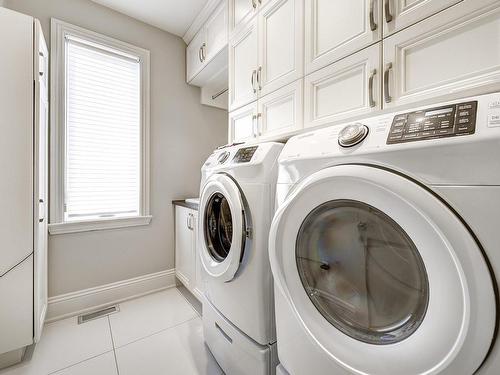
x,y
158,334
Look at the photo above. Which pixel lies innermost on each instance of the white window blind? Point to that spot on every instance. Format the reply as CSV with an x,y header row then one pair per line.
x,y
103,132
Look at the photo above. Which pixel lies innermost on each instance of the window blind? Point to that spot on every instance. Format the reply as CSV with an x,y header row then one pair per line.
x,y
103,133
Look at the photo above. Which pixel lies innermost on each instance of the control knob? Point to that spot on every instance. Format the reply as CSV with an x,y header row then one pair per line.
x,y
352,134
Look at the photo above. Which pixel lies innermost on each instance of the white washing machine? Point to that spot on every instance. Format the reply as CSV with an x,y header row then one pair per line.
x,y
385,244
236,209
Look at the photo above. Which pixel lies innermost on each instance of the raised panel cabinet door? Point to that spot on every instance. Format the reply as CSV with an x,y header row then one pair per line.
x,y
450,54
243,67
346,89
184,259
239,13
198,287
281,112
242,123
399,14
335,29
281,40
194,55
41,180
216,31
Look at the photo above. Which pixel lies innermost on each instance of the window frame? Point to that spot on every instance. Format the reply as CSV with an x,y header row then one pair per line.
x,y
59,32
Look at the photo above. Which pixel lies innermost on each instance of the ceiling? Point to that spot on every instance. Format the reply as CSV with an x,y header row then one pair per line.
x,y
174,16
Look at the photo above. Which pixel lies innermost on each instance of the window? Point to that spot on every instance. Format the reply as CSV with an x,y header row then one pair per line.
x,y
100,105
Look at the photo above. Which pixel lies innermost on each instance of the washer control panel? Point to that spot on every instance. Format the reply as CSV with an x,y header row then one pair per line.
x,y
244,155
446,121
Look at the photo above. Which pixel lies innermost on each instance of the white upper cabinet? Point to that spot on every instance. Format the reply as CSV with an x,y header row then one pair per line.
x,y
281,112
242,123
347,88
240,12
399,14
243,63
194,55
454,51
337,28
281,33
216,31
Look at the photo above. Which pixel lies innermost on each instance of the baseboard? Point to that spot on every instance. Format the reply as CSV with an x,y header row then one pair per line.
x,y
75,303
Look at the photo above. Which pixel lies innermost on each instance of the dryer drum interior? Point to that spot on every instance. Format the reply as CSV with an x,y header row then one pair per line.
x,y
218,227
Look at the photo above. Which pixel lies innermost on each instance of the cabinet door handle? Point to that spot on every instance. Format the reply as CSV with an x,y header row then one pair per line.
x,y
254,72
387,8
373,24
254,133
203,54
259,77
199,55
387,94
254,4
370,88
187,222
259,124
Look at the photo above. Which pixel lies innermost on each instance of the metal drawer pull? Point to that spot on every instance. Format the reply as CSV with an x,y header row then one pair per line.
x,y
259,124
373,24
387,94
254,72
387,8
199,55
259,77
254,117
203,55
370,88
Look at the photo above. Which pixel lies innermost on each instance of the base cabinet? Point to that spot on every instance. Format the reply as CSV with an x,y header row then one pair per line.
x,y
186,256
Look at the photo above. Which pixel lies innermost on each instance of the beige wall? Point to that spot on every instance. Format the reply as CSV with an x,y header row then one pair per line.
x,y
183,133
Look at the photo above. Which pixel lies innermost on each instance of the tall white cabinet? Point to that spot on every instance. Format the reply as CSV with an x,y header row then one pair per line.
x,y
23,186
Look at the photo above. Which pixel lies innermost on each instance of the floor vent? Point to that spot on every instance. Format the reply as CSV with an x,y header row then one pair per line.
x,y
84,318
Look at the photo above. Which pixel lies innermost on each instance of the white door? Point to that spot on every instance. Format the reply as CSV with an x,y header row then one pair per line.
x,y
194,55
223,227
377,268
239,13
281,40
216,31
348,88
281,112
184,256
399,14
243,123
243,63
454,51
336,28
41,180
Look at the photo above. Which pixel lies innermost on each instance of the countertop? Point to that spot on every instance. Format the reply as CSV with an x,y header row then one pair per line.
x,y
183,203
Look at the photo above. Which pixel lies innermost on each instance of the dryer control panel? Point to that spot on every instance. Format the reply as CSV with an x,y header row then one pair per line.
x,y
244,155
445,121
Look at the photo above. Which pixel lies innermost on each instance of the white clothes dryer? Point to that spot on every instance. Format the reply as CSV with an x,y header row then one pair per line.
x,y
236,209
385,244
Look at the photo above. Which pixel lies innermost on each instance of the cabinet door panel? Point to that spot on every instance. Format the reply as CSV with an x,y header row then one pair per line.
x,y
184,262
242,123
280,44
242,67
446,54
216,31
281,112
193,55
407,12
240,12
342,90
337,28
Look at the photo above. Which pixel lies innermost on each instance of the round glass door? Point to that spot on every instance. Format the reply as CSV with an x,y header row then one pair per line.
x,y
218,227
362,272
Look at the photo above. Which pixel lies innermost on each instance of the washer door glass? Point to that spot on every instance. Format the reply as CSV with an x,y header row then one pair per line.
x,y
362,272
218,224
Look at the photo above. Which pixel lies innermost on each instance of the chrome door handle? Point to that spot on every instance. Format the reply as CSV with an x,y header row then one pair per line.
x,y
373,24
199,55
259,77
254,4
259,124
203,55
254,72
254,133
387,94
387,8
370,88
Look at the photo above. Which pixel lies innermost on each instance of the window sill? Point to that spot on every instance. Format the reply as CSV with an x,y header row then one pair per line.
x,y
102,224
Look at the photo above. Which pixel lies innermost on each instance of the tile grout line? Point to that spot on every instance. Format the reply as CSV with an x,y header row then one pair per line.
x,y
158,332
113,343
77,363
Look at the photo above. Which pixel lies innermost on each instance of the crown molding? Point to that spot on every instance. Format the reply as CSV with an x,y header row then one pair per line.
x,y
200,19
